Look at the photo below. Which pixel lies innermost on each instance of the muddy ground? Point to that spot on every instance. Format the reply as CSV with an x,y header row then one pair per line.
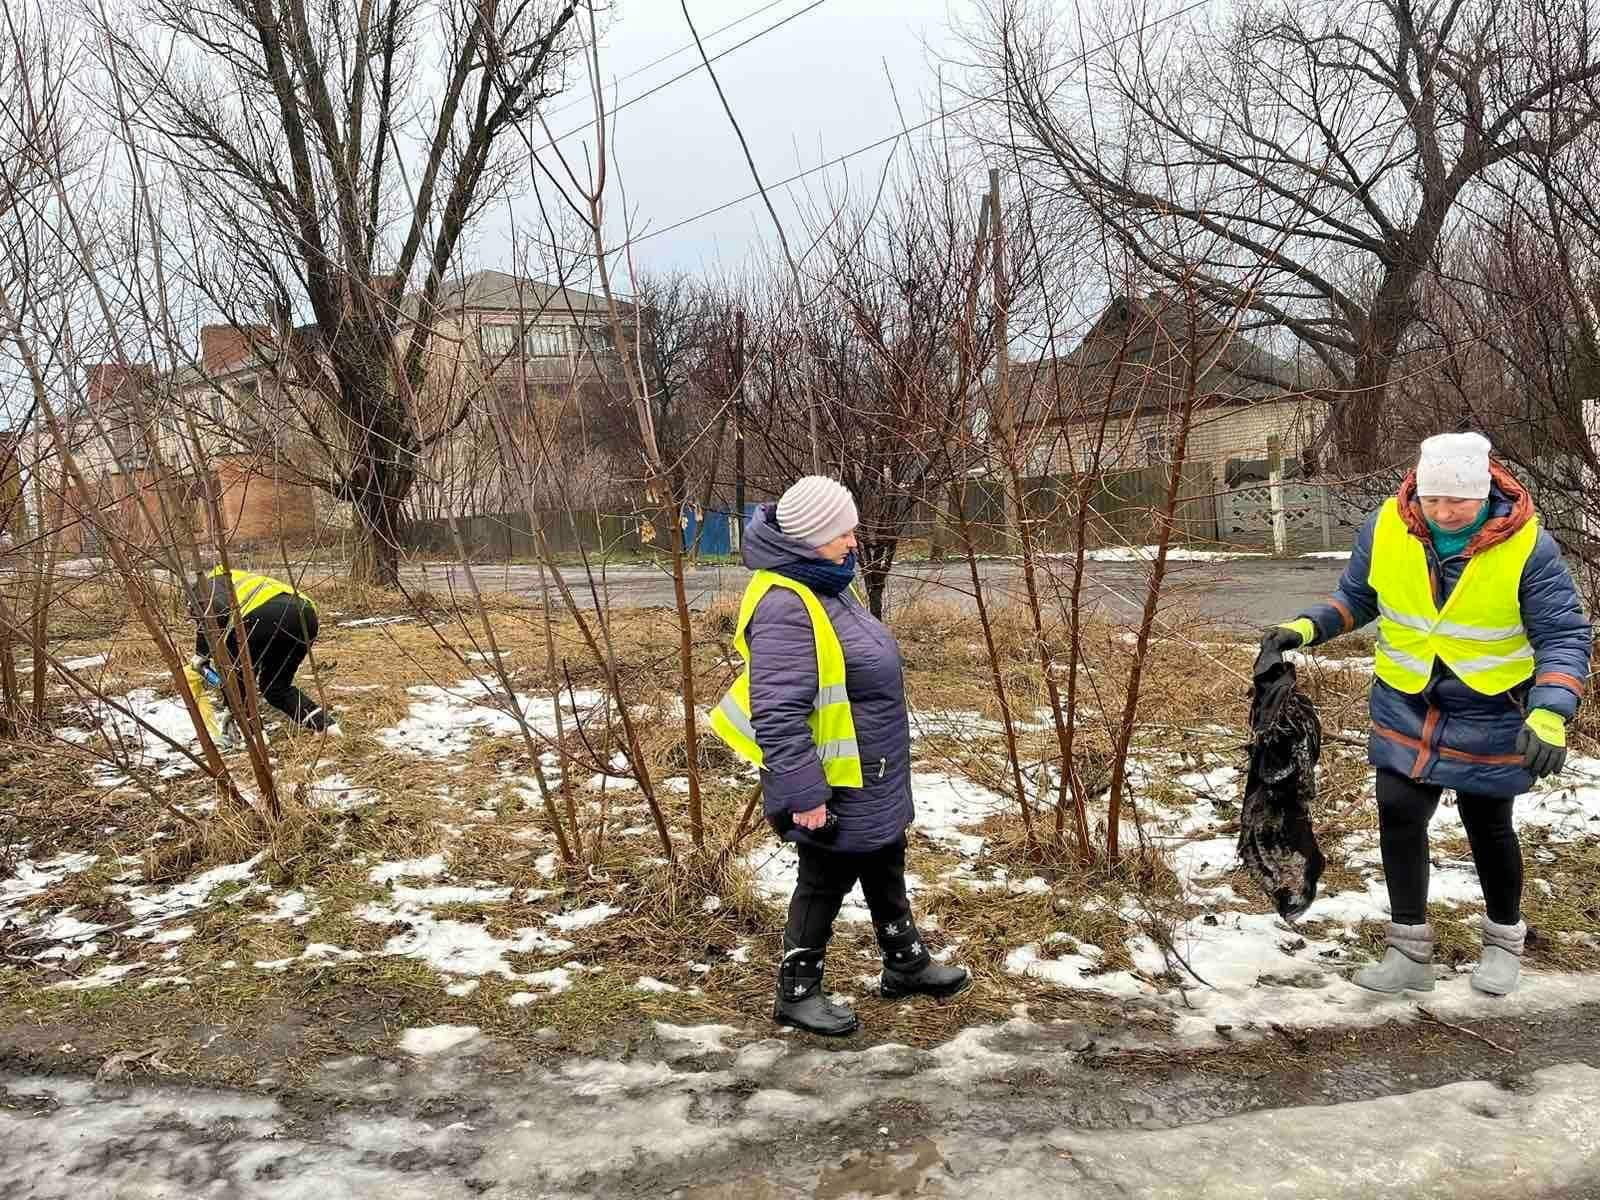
x,y
1504,1108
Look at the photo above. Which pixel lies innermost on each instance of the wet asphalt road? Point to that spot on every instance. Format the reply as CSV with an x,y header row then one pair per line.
x,y
1246,593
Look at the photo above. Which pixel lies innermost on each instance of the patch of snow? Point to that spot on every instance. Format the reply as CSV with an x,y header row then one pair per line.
x,y
413,868
946,804
142,748
695,1039
1333,554
87,663
293,907
1174,554
338,793
372,622
435,1039
431,896
444,721
648,984
182,934
583,918
1081,971
458,947
153,906
104,977
464,988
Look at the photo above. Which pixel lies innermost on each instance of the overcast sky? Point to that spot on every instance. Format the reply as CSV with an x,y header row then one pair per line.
x,y
814,88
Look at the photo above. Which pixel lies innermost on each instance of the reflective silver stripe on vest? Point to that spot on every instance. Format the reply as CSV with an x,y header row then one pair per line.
x,y
1490,662
1401,658
834,693
1409,620
1471,633
1474,633
730,709
250,595
843,748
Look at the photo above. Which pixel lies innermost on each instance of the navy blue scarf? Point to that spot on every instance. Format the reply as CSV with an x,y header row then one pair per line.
x,y
820,575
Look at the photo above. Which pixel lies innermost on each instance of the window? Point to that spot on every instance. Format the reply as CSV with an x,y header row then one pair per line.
x,y
1155,447
537,341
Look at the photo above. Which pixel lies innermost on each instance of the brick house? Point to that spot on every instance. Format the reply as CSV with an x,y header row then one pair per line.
x,y
1130,370
109,439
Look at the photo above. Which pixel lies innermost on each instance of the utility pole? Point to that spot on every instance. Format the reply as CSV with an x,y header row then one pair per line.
x,y
738,428
1280,530
1005,417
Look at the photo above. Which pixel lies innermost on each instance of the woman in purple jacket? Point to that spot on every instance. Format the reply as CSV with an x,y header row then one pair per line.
x,y
844,834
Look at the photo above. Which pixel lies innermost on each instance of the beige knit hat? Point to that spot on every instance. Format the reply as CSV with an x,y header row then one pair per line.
x,y
816,510
1454,464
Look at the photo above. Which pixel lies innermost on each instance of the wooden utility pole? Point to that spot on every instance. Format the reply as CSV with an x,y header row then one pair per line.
x,y
738,429
1004,417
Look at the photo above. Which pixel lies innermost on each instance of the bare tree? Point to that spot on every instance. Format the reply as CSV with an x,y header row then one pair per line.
x,y
333,157
1329,143
894,381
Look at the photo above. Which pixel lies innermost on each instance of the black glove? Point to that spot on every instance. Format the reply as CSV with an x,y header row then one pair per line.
x,y
782,822
1274,643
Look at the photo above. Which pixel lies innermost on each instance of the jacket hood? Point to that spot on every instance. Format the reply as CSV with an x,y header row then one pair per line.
x,y
1510,508
766,547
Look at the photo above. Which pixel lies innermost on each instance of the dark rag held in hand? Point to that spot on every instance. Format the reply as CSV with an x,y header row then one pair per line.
x,y
1276,841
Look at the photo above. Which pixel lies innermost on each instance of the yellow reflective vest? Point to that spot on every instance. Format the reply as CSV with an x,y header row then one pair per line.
x,y
1478,633
833,729
254,590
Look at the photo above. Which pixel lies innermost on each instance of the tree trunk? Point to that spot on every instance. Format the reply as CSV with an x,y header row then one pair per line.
x,y
876,563
376,560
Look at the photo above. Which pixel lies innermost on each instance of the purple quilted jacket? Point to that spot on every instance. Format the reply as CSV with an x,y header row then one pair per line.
x,y
783,688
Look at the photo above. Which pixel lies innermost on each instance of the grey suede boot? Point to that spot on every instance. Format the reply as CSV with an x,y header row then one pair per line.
x,y
908,968
802,1003
1500,969
1407,964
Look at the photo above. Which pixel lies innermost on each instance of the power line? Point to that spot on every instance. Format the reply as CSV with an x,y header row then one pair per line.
x,y
860,150
681,75
671,54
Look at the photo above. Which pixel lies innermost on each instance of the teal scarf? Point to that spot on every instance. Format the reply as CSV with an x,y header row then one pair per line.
x,y
1448,543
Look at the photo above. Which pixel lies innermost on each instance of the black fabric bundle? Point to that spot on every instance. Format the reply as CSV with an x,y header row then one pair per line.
x,y
1276,841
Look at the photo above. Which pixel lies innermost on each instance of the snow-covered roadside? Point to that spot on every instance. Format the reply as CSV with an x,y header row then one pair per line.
x,y
758,1125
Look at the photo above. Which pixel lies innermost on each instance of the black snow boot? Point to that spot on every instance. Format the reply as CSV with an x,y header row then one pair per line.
x,y
802,1003
908,968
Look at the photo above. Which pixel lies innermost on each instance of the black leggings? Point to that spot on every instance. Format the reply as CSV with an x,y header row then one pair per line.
x,y
1404,809
280,633
827,876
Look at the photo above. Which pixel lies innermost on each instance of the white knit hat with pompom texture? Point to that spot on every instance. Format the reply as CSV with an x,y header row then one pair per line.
x,y
816,510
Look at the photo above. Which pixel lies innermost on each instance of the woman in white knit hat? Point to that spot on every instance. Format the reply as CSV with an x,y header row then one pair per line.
x,y
1482,659
821,709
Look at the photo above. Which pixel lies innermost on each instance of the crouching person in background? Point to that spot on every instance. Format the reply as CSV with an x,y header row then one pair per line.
x,y
279,626
821,709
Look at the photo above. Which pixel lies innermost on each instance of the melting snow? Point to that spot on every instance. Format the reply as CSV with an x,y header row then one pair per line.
x,y
582,918
418,868
435,1039
125,736
444,721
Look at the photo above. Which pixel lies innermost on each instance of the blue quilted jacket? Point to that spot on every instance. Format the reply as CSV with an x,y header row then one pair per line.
x,y
1448,734
783,688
